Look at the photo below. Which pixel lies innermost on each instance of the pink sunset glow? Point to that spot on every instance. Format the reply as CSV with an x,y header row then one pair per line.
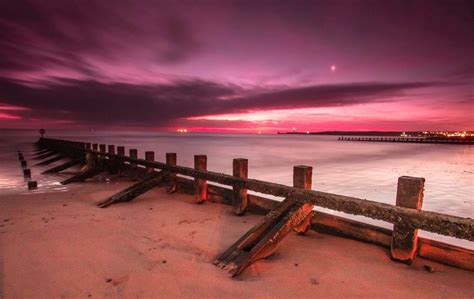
x,y
237,66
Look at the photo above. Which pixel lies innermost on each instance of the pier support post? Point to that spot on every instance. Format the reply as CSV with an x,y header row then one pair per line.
x,y
95,146
240,201
23,163
404,238
149,156
171,159
303,179
200,185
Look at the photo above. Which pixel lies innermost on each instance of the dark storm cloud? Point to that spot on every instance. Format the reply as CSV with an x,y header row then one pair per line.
x,y
44,34
92,102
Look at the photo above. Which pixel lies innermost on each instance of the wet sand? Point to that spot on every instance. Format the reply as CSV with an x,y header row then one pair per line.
x,y
61,245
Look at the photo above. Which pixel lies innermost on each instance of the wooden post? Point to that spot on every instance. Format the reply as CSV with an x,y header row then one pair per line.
x,y
27,173
23,163
32,185
240,170
171,159
121,150
111,149
88,146
133,153
303,179
95,146
200,185
404,238
119,166
102,149
149,156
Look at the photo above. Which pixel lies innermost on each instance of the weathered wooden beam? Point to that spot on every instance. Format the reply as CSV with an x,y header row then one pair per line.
x,y
263,239
63,166
128,194
240,202
42,151
200,185
446,254
49,161
83,176
404,240
171,159
46,155
23,163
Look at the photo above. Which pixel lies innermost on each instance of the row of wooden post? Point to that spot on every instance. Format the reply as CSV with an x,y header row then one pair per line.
x,y
26,172
409,194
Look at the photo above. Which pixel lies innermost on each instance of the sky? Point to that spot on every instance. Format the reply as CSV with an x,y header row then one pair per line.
x,y
237,66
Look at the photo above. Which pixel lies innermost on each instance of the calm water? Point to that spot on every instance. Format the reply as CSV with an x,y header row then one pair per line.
x,y
360,169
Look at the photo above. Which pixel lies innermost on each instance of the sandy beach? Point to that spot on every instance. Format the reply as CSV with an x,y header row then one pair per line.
x,y
61,245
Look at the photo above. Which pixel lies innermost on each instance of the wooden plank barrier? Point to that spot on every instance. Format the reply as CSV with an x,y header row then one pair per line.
x,y
290,214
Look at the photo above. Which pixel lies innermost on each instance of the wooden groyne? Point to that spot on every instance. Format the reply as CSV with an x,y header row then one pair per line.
x,y
294,213
459,141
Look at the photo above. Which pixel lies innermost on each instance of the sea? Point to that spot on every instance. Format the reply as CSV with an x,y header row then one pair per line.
x,y
367,170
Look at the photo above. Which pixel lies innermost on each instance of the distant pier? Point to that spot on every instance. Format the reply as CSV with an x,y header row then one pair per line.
x,y
467,141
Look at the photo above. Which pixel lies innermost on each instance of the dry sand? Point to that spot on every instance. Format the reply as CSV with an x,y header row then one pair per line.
x,y
160,245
